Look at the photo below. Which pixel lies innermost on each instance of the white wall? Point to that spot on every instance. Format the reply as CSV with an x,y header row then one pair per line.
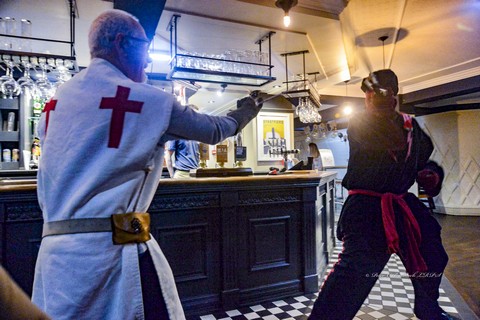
x,y
339,147
250,141
456,135
51,19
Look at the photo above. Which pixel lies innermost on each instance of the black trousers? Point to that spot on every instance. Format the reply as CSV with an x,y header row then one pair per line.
x,y
153,302
364,256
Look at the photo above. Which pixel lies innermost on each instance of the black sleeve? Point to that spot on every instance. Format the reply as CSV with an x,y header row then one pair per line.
x,y
377,132
423,145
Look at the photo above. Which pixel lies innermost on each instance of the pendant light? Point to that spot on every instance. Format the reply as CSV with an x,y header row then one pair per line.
x,y
286,5
347,107
383,38
222,90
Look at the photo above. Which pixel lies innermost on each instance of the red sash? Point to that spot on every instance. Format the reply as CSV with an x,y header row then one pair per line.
x,y
413,261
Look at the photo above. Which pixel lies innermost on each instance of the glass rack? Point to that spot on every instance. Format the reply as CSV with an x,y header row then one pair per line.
x,y
303,93
233,67
303,88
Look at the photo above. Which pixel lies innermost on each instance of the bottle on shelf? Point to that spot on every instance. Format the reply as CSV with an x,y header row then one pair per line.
x,y
35,153
38,104
7,155
11,121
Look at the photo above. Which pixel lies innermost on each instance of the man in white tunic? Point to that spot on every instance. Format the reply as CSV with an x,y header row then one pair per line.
x,y
103,136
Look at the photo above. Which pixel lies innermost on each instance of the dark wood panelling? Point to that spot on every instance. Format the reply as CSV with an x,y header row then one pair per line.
x,y
280,260
269,243
188,244
23,243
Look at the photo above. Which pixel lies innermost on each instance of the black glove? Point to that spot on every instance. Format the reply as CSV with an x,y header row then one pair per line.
x,y
247,109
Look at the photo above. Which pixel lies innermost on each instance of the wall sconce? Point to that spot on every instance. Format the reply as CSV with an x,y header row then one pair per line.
x,y
286,5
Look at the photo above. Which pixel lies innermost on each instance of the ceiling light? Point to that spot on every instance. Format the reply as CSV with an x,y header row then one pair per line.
x,y
286,5
222,90
347,110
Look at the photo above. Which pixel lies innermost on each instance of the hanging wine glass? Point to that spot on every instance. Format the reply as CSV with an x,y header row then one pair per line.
x,y
315,131
323,130
62,72
44,86
301,110
8,86
27,85
6,76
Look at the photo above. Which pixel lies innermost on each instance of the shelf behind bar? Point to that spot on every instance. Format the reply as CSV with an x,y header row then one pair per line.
x,y
216,76
35,54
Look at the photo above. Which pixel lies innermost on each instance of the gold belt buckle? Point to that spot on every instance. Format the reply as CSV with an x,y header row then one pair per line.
x,y
132,227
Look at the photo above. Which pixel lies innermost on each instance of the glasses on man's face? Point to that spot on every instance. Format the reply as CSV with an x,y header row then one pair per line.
x,y
146,42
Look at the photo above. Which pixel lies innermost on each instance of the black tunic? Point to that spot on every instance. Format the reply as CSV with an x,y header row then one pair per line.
x,y
371,166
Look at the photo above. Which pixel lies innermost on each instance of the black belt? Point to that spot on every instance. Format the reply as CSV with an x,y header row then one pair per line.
x,y
86,225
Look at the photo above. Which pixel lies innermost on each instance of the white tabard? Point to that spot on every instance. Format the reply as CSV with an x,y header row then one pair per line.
x,y
102,138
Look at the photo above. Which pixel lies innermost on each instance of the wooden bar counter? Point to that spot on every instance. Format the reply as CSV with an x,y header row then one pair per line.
x,y
231,241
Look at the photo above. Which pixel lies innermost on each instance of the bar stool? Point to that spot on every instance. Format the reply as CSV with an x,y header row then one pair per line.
x,y
426,199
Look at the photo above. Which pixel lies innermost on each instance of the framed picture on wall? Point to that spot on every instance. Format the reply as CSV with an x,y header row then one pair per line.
x,y
273,135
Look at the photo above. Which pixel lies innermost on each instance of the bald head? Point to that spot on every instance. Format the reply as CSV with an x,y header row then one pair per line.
x,y
105,28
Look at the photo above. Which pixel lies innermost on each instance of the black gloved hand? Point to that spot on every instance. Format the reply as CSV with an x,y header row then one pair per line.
x,y
431,178
247,109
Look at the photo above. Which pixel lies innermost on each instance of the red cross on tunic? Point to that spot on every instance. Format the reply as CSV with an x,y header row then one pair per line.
x,y
119,105
49,106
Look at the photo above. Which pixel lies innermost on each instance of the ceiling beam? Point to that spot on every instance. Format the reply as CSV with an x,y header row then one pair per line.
x,y
456,107
444,91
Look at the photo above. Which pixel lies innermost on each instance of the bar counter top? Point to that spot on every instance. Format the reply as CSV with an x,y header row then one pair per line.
x,y
27,184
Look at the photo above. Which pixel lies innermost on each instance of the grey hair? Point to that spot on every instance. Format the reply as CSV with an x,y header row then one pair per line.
x,y
105,28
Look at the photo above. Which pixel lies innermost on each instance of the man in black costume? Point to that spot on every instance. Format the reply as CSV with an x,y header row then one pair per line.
x,y
388,152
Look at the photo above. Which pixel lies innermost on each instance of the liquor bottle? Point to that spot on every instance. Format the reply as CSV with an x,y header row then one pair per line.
x,y
38,104
35,153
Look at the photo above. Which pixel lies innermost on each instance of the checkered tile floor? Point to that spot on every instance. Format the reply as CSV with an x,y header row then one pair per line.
x,y
391,298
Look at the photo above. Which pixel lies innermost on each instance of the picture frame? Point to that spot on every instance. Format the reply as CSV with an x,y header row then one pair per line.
x,y
273,135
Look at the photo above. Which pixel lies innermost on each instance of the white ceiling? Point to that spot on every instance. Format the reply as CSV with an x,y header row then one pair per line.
x,y
430,42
